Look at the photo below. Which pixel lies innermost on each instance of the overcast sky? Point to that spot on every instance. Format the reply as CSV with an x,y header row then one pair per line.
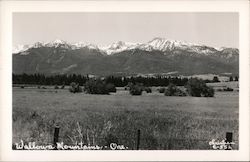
x,y
213,29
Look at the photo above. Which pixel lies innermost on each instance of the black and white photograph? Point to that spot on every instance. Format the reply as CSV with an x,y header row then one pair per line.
x,y
148,81
126,81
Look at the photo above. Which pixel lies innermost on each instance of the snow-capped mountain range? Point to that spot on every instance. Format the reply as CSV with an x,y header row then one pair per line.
x,y
160,44
156,56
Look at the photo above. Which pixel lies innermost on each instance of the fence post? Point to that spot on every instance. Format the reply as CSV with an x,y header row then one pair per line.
x,y
138,139
229,139
56,135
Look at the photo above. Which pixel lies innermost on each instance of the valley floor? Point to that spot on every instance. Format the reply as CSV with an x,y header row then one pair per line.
x,y
164,122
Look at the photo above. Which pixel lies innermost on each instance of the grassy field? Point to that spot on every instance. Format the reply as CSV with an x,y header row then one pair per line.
x,y
165,122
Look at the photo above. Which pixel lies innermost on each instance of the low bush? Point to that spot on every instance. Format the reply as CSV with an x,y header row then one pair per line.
x,y
56,87
75,88
161,90
198,88
172,90
111,87
127,87
208,92
148,89
98,87
136,89
228,89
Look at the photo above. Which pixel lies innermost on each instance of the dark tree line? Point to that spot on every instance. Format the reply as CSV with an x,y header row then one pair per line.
x,y
41,79
146,81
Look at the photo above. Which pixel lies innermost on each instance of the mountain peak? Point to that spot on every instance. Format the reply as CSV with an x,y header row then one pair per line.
x,y
58,43
84,44
117,45
38,44
164,44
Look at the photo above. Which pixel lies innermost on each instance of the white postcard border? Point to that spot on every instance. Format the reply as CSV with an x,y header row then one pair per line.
x,y
8,7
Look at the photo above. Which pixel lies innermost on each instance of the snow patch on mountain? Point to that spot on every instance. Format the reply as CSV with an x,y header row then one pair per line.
x,y
58,43
171,45
20,48
118,47
79,45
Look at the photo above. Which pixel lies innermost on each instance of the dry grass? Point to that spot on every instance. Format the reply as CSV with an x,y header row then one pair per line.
x,y
165,122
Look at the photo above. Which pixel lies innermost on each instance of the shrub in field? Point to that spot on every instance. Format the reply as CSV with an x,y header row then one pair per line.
x,y
161,90
127,87
208,92
148,89
111,87
172,90
21,86
228,89
219,89
96,87
136,89
56,87
198,88
75,88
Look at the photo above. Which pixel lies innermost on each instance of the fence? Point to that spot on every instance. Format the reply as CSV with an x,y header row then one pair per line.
x,y
138,143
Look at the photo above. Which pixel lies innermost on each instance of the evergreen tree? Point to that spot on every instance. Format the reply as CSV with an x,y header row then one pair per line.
x,y
215,79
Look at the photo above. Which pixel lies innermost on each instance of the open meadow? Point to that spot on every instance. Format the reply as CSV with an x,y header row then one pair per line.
x,y
164,122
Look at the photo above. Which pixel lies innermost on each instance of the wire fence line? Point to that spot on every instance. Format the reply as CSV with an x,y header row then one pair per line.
x,y
136,143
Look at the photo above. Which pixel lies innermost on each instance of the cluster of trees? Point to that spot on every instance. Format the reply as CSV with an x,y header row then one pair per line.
x,y
216,79
118,81
226,89
173,90
93,86
198,88
233,79
194,87
137,88
99,87
41,79
147,81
